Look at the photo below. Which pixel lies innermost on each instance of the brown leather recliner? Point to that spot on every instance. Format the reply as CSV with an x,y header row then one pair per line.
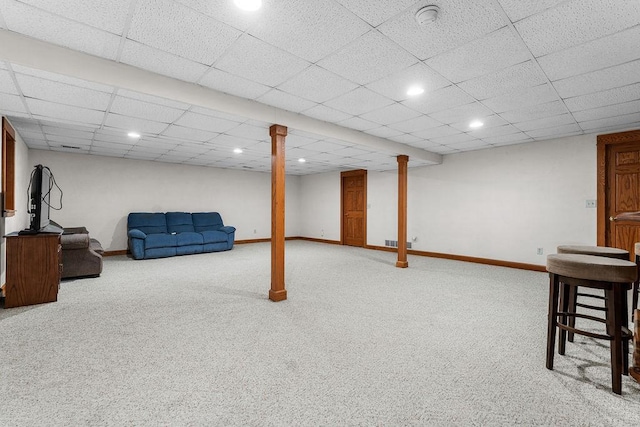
x,y
81,255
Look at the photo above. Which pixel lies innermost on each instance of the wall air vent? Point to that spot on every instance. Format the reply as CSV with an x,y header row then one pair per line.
x,y
394,244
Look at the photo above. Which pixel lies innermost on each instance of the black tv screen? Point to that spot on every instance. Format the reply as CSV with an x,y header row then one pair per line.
x,y
39,198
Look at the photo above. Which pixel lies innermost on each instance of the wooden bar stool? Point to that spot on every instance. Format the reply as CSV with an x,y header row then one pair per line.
x,y
573,291
614,277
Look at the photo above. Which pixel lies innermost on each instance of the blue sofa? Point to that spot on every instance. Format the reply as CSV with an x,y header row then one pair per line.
x,y
158,235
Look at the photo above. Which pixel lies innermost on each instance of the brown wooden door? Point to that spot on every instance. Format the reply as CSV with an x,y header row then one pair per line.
x,y
621,190
354,205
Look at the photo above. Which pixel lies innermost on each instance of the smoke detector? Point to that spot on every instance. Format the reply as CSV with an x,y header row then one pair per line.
x,y
427,14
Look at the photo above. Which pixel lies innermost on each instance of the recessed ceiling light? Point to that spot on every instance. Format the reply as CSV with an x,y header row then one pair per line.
x,y
476,124
301,160
248,5
415,91
237,150
133,135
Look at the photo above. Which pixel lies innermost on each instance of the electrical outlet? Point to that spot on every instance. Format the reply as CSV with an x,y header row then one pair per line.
x,y
540,251
590,204
255,231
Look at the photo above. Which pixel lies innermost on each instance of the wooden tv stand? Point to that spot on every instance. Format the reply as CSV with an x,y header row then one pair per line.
x,y
34,264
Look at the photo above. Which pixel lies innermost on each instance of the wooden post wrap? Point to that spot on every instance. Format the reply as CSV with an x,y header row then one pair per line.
x,y
278,134
402,212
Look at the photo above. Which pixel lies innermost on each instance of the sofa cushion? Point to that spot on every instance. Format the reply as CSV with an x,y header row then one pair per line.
x,y
205,221
214,236
189,238
188,250
163,240
148,223
179,222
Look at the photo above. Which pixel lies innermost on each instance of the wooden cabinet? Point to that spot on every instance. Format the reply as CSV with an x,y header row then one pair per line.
x,y
34,265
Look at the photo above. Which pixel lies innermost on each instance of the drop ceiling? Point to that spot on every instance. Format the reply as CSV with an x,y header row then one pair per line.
x,y
336,72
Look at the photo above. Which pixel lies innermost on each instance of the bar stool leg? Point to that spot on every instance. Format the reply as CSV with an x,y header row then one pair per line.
x,y
565,297
553,318
614,329
573,300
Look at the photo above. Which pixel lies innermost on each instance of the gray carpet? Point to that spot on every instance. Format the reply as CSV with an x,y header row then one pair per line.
x,y
194,340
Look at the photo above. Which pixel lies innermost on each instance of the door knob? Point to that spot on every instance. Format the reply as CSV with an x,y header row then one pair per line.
x,y
612,219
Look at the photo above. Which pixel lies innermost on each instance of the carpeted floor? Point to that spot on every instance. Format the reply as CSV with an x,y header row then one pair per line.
x,y
194,340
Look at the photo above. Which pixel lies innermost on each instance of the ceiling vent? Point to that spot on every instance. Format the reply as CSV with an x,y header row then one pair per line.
x,y
427,15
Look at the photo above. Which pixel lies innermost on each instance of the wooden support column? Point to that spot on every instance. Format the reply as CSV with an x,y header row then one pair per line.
x,y
278,134
402,212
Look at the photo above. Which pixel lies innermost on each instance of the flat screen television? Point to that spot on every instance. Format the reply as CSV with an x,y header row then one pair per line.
x,y
39,201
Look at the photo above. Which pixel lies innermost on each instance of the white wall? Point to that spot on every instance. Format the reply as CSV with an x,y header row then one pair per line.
x,y
21,219
502,203
320,206
99,193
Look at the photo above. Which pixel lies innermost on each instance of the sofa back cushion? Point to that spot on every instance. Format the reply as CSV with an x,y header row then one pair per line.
x,y
179,222
148,223
205,221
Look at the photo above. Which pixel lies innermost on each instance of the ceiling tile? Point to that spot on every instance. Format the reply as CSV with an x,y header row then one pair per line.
x,y
530,96
256,133
59,111
323,146
547,122
61,93
144,110
134,124
369,58
317,84
604,98
286,101
396,85
475,144
358,123
12,104
625,108
416,124
512,138
224,82
453,139
161,62
452,28
322,112
534,112
391,114
555,132
110,16
405,138
576,22
376,12
464,113
308,29
596,81
488,122
384,132
208,123
225,11
436,132
6,83
441,99
518,9
508,80
59,78
626,120
188,133
69,132
495,51
42,25
605,52
172,27
260,62
358,101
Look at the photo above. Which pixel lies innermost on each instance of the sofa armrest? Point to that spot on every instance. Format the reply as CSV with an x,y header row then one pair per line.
x,y
74,241
137,234
228,229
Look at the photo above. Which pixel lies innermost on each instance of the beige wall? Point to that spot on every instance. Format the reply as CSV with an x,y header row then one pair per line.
x,y
502,203
99,193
